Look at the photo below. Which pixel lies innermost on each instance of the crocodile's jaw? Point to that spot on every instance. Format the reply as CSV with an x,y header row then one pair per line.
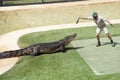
x,y
68,39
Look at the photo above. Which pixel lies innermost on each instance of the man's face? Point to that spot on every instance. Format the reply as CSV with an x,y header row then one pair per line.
x,y
95,16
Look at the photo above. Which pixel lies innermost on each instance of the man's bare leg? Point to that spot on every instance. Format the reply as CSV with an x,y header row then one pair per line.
x,y
98,39
108,35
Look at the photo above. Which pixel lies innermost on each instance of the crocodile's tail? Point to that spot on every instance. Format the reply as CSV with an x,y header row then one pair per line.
x,y
8,54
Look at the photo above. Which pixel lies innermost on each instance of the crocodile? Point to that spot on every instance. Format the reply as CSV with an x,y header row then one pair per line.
x,y
40,48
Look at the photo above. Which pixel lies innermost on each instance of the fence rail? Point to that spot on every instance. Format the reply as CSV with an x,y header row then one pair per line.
x,y
23,2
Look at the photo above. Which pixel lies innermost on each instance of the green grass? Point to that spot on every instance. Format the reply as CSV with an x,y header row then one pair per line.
x,y
20,19
58,66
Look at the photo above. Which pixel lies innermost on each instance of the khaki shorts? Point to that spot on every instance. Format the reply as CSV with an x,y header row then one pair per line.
x,y
98,30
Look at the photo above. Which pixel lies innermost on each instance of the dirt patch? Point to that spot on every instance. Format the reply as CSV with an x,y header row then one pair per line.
x,y
6,64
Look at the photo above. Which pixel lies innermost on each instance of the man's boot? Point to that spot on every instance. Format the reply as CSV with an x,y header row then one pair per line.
x,y
99,44
113,44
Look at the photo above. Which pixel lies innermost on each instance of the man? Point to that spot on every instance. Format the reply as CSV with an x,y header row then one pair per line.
x,y
101,25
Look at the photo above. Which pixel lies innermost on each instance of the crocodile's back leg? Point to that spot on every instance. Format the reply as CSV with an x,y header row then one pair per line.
x,y
35,51
62,49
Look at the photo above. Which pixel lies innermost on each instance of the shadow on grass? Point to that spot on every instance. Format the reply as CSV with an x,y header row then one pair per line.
x,y
73,48
67,48
108,43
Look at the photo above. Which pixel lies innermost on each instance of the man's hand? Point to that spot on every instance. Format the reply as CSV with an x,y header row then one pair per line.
x,y
77,20
111,25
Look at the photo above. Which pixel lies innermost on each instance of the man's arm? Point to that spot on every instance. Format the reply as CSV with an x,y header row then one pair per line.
x,y
109,22
82,18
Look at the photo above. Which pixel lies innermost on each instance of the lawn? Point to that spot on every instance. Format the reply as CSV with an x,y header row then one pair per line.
x,y
20,19
58,66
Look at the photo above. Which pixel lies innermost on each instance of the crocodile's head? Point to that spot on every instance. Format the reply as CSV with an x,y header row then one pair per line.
x,y
68,39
